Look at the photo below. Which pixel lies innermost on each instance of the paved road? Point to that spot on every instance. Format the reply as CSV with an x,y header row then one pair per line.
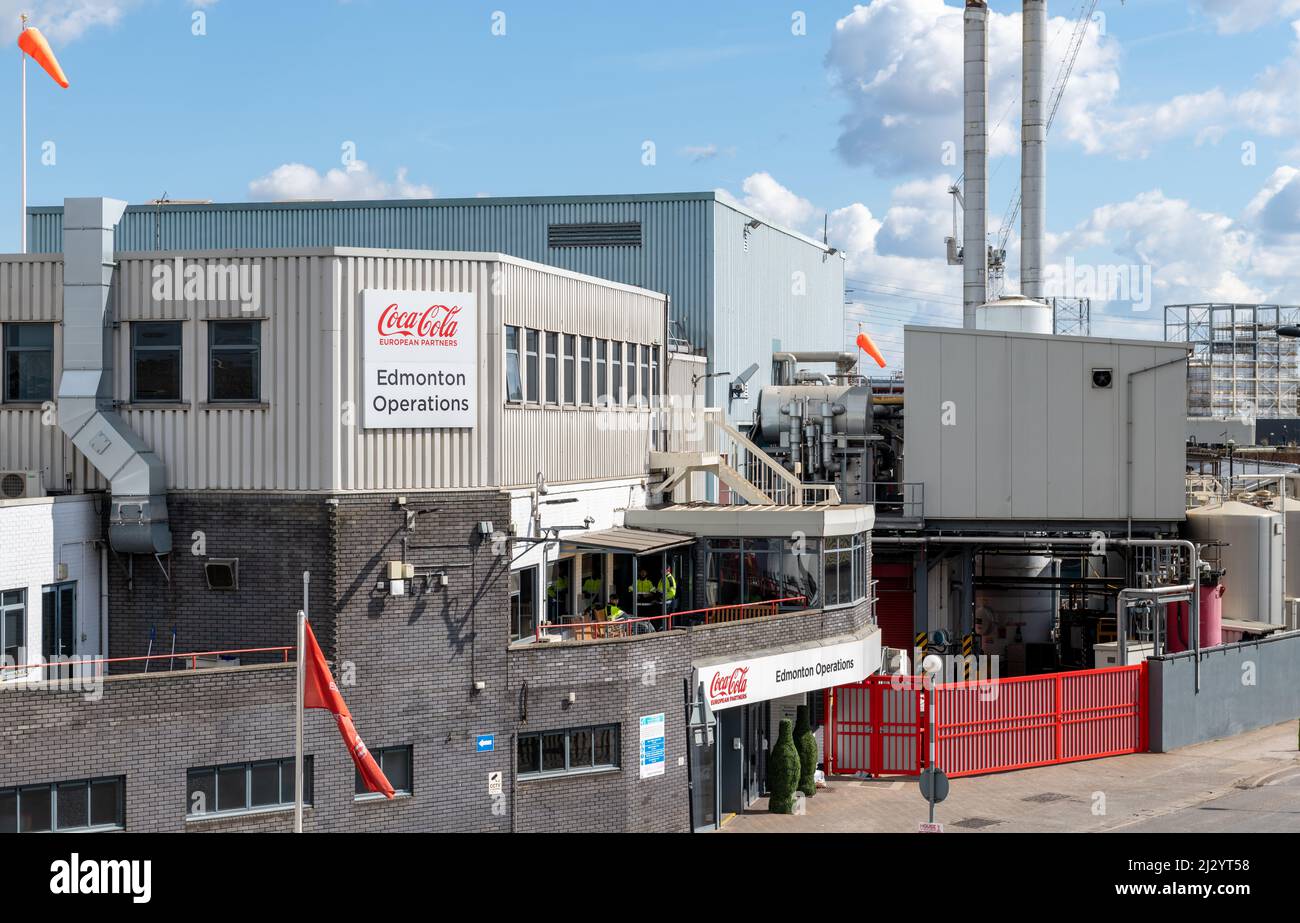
x,y
1248,783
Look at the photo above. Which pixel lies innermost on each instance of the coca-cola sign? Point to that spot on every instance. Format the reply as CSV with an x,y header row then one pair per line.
x,y
420,360
729,687
436,322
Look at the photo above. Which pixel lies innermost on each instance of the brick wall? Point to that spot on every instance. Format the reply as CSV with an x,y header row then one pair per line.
x,y
275,537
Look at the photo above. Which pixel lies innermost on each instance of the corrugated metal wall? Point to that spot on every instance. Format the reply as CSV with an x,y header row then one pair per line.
x,y
1009,426
674,257
773,292
307,434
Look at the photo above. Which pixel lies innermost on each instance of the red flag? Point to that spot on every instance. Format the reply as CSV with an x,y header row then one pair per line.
x,y
320,691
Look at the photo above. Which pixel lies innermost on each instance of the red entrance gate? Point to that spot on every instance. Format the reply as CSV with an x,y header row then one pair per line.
x,y
880,725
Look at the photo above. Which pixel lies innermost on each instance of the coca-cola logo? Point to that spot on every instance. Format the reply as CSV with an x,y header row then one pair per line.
x,y
731,685
437,321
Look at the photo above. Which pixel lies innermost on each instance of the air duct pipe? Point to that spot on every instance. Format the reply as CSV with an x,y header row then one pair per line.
x,y
975,103
137,477
1033,150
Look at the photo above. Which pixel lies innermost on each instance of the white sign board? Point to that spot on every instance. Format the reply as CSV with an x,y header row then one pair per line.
x,y
419,355
494,783
757,679
652,745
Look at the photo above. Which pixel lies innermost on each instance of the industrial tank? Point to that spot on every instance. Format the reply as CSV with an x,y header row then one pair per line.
x,y
1292,512
1251,558
823,432
1015,313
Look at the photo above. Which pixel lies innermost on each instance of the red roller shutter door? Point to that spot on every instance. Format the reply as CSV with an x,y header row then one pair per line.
x,y
894,606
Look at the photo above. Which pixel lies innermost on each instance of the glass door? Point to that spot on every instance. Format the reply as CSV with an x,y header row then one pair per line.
x,y
58,628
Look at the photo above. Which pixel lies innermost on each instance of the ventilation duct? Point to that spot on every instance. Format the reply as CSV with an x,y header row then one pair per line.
x,y
975,107
137,477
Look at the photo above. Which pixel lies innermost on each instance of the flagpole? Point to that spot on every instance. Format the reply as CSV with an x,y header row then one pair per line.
x,y
297,708
22,154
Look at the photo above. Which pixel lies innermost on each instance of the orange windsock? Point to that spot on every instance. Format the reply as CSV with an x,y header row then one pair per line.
x,y
867,346
33,43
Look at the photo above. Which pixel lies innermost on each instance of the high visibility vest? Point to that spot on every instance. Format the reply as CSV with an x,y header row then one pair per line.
x,y
643,587
668,586
614,612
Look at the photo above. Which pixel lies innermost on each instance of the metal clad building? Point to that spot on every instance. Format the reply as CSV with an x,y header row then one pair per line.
x,y
738,286
989,441
305,433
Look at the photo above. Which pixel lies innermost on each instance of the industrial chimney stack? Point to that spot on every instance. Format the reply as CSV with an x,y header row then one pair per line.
x,y
1033,149
975,260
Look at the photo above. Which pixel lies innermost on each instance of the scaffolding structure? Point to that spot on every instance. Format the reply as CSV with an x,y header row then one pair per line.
x,y
1072,317
1239,366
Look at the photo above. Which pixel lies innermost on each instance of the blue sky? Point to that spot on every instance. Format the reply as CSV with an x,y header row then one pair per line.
x,y
1145,161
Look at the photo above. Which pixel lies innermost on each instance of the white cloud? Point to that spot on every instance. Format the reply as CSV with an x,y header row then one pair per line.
x,y
769,199
899,63
299,181
1232,16
62,21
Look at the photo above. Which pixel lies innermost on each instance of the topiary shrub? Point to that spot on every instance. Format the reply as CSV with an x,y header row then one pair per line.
x,y
783,771
806,743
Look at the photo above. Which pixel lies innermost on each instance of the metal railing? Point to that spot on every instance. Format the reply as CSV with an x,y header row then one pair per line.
x,y
187,661
904,500
632,626
773,483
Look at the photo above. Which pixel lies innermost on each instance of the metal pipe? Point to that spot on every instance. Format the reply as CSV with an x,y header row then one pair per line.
x,y
1033,148
1129,593
975,161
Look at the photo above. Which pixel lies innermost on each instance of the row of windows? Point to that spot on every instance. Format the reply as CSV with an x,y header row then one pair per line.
x,y
58,620
544,367
235,788
85,804
581,749
234,361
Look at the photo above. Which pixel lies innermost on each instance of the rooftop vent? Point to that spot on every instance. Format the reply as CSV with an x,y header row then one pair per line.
x,y
595,234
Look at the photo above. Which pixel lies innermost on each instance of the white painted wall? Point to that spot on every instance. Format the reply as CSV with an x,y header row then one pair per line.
x,y
38,535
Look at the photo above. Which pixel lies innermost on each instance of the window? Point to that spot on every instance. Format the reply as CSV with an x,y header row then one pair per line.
x,y
156,361
580,749
13,622
570,369
584,371
533,393
396,764
234,361
242,787
759,569
86,804
602,379
616,369
29,362
514,383
552,368
632,378
645,376
523,609
654,374
847,570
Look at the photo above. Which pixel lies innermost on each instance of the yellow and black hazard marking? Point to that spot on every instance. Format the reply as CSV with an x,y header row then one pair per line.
x,y
923,640
969,670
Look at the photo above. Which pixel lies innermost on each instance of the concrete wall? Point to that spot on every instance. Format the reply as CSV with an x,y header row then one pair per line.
x,y
1243,686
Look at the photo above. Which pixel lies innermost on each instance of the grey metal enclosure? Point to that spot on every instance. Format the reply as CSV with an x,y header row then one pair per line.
x,y
1021,426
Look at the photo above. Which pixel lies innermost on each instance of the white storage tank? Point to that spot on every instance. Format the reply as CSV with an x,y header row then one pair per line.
x,y
1251,557
1016,314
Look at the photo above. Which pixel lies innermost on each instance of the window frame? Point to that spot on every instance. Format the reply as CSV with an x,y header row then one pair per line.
x,y
569,369
361,793
51,791
5,609
178,349
551,368
514,362
616,753
214,348
532,366
308,786
601,365
6,352
616,373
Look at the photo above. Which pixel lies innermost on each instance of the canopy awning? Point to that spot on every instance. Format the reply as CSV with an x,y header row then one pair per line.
x,y
622,540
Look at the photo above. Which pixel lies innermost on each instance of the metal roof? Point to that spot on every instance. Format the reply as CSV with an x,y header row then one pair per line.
x,y
628,541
